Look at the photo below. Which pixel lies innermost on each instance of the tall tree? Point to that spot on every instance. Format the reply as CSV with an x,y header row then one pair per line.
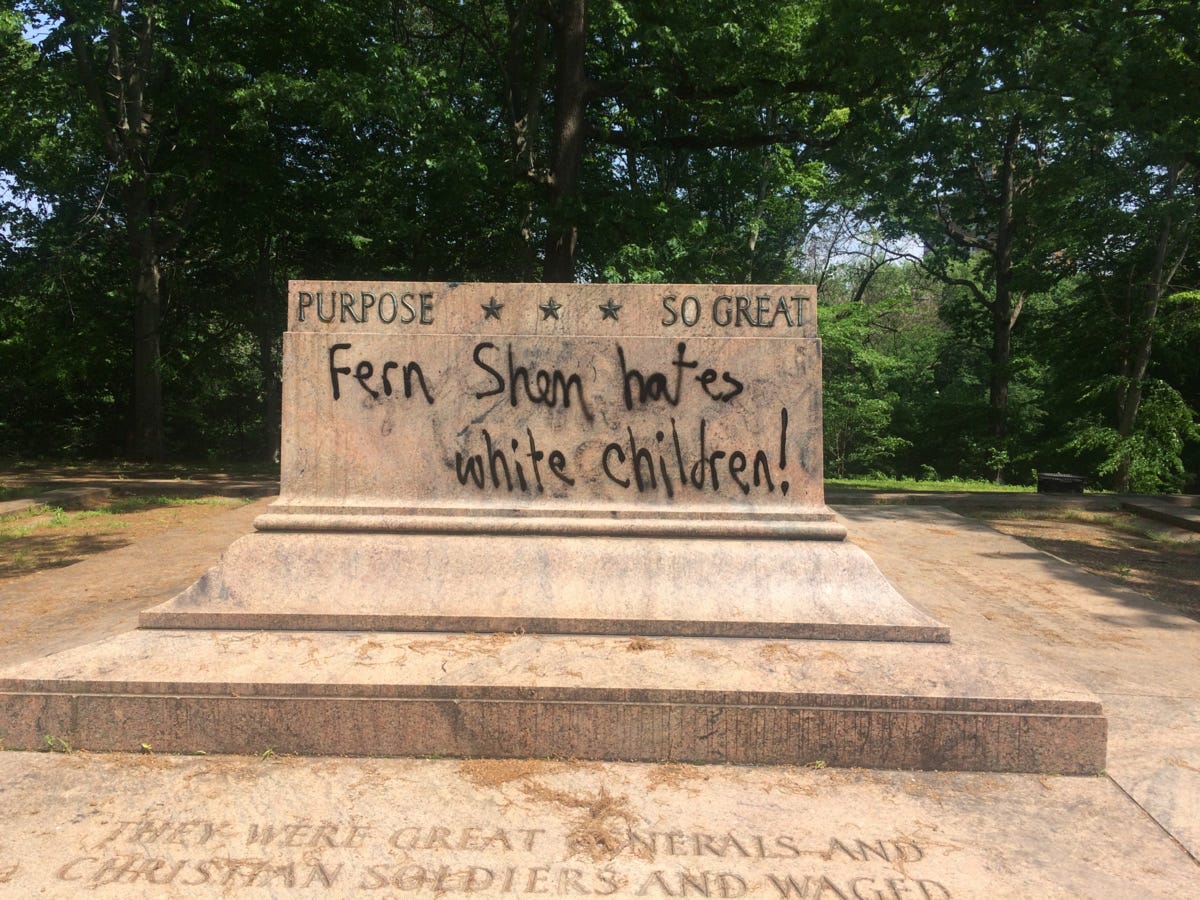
x,y
971,158
625,108
1126,214
132,76
1159,53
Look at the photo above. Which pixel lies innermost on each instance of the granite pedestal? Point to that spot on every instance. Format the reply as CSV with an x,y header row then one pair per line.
x,y
555,521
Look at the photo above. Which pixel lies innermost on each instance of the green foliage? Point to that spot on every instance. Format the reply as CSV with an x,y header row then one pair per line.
x,y
1152,454
905,393
52,743
1025,298
860,390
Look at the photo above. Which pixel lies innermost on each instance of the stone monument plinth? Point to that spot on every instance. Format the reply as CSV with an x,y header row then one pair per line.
x,y
553,520
608,459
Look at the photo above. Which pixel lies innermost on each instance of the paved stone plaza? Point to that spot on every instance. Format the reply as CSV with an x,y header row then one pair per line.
x,y
153,825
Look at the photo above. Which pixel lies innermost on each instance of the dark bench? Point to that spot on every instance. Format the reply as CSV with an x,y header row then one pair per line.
x,y
1058,483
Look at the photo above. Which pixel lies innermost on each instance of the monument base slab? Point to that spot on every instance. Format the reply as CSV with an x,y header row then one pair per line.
x,y
696,700
548,584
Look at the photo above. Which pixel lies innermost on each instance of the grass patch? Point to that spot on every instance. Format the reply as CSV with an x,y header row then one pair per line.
x,y
27,513
133,504
60,518
947,485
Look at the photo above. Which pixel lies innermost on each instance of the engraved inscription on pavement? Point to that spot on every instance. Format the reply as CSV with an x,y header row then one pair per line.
x,y
150,826
491,859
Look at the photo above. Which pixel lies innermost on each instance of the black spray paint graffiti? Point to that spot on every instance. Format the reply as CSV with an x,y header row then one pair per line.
x,y
675,456
667,463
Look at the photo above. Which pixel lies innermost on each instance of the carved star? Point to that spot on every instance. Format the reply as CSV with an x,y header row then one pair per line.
x,y
610,310
550,309
491,309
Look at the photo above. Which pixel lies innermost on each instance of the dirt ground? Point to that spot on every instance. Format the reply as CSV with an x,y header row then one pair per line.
x,y
143,500
44,538
1155,560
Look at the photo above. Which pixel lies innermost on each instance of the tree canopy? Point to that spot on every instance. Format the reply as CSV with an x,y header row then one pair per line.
x,y
998,203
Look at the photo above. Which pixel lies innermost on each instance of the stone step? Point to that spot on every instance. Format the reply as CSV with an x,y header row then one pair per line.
x,y
548,584
1168,511
695,700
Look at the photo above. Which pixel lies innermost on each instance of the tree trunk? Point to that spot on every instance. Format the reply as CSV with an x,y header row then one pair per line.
x,y
1002,304
267,333
148,438
524,79
566,155
116,87
998,376
1141,336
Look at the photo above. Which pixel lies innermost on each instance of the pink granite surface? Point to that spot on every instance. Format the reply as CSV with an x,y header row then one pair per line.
x,y
577,415
152,826
873,704
673,463
548,584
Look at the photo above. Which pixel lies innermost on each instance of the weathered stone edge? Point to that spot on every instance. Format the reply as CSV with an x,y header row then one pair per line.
x,y
603,731
213,619
525,693
604,525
